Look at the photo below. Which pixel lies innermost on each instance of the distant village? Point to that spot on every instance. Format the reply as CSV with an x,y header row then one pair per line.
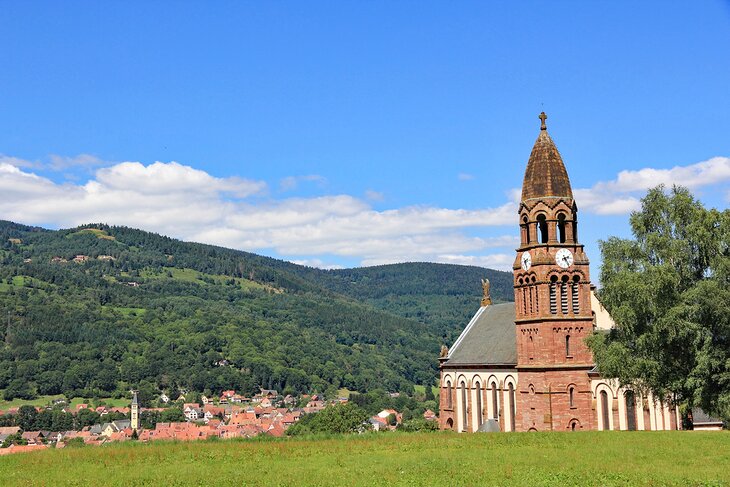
x,y
231,415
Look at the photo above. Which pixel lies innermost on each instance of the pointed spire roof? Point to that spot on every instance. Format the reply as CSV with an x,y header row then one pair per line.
x,y
545,175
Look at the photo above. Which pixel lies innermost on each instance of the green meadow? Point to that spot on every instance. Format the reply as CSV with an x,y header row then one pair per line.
x,y
534,459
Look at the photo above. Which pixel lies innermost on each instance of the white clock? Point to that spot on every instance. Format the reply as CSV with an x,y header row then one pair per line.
x,y
564,258
526,261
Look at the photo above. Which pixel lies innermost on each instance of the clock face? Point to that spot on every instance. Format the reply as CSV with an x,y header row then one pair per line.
x,y
526,261
564,258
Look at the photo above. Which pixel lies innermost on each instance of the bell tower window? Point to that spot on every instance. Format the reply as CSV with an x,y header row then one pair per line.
x,y
542,227
561,228
564,295
526,226
574,295
553,295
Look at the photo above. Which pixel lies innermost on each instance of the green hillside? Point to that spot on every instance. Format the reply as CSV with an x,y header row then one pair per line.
x,y
152,312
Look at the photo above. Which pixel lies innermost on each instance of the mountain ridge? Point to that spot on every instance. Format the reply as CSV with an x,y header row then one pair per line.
x,y
145,308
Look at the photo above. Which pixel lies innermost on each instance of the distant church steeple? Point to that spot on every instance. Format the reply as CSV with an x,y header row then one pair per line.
x,y
134,423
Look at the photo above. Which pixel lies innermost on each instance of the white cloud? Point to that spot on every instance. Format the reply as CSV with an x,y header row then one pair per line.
x,y
374,195
18,162
292,182
60,163
191,204
462,176
316,263
622,195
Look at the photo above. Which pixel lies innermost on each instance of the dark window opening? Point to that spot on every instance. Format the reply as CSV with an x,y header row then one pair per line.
x,y
512,407
567,345
449,395
630,410
527,230
464,408
495,401
561,228
571,396
479,404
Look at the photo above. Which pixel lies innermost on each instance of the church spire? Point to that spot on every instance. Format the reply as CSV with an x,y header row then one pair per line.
x,y
545,176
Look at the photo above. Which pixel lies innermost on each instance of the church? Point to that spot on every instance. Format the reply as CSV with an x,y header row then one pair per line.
x,y
525,366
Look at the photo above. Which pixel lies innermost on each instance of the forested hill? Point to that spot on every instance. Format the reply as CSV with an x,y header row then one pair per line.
x,y
98,309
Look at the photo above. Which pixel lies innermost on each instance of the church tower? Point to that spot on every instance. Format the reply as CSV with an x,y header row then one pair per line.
x,y
552,300
134,423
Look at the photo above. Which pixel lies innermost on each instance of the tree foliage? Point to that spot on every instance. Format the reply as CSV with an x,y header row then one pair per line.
x,y
152,313
340,418
668,290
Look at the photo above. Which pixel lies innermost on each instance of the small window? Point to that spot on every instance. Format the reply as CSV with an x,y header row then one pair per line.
x,y
567,345
527,229
464,407
571,396
512,407
495,401
449,395
561,228
478,388
543,228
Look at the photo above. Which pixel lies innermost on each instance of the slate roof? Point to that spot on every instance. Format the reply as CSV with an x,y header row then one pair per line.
x,y
545,175
701,417
488,339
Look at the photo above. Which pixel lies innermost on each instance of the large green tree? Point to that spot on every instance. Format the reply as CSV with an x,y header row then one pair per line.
x,y
668,290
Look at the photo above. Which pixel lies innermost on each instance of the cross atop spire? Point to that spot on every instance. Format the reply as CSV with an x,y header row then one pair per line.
x,y
542,118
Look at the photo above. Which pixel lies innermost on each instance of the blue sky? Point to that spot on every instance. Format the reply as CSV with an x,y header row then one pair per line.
x,y
355,133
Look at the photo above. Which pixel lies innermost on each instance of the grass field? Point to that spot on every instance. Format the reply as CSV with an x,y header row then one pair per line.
x,y
530,459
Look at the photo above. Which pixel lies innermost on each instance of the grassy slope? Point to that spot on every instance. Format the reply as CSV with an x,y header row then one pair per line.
x,y
606,458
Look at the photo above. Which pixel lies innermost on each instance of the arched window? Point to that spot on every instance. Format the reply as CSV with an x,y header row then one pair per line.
x,y
553,295
512,407
449,395
575,230
542,227
464,407
479,404
571,396
561,228
572,425
567,345
527,229
604,411
531,347
495,401
564,295
574,294
630,399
